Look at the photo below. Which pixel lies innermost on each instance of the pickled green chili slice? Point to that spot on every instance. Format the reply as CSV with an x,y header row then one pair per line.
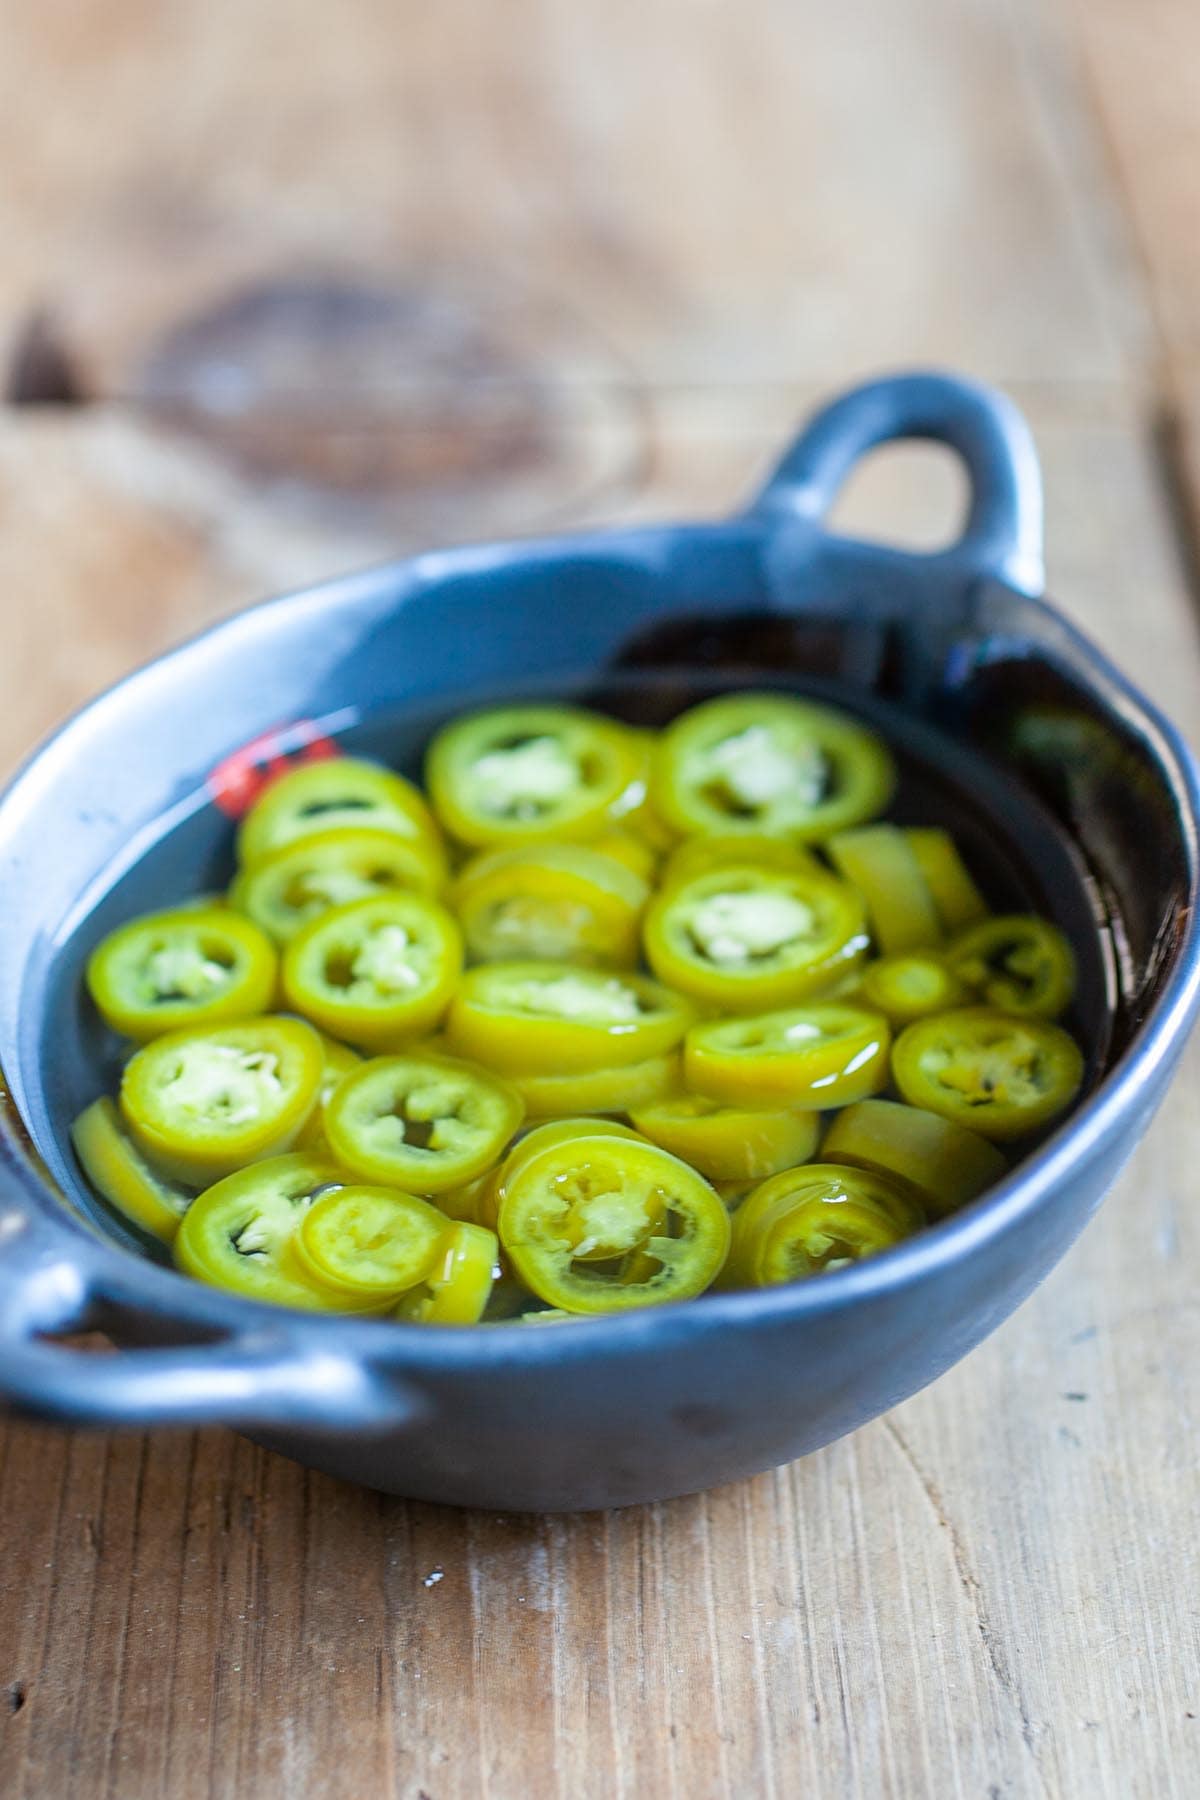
x,y
700,855
336,1060
1019,963
958,901
802,954
729,1143
377,973
624,845
120,1173
550,902
948,1164
911,986
369,1243
200,1104
187,966
818,1056
547,1018
465,1200
633,812
999,1075
602,1225
543,1137
294,885
813,1220
768,764
516,774
879,862
240,1234
461,1282
615,1090
420,1122
745,937
329,795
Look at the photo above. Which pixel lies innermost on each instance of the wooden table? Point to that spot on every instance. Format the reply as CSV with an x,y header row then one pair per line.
x,y
543,263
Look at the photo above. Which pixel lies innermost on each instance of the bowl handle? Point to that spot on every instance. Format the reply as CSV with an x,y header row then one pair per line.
x,y
273,1377
1003,531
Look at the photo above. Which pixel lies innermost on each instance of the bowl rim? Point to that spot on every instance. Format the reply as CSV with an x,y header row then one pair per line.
x,y
1001,545
120,1276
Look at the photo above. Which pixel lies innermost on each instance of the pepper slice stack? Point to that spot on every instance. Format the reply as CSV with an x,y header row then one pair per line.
x,y
603,1020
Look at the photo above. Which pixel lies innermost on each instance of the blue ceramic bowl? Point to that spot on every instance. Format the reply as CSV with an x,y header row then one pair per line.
x,y
1067,784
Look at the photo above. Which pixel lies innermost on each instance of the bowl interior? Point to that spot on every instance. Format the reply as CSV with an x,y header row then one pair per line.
x,y
1009,729
1024,857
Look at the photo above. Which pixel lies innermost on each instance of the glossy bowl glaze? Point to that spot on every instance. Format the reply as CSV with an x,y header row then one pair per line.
x,y
1072,793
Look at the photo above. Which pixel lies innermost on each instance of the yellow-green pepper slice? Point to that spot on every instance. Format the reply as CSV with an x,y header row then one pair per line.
x,y
547,1018
516,774
813,1220
624,846
879,861
632,813
188,966
598,1090
294,885
1002,1076
819,1056
240,1234
200,1104
958,901
744,937
603,1224
328,795
458,1287
377,973
550,902
420,1122
1019,963
912,985
543,1137
946,1163
701,854
465,1201
729,1143
337,1060
368,1244
768,764
120,1173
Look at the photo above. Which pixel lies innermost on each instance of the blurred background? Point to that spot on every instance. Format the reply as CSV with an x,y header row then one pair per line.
x,y
286,287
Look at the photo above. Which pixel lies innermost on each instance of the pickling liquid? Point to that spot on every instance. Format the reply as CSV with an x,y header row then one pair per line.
x,y
1020,857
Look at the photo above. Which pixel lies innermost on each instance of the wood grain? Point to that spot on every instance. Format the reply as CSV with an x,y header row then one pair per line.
x,y
1144,65
721,192
675,227
992,1588
1144,68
